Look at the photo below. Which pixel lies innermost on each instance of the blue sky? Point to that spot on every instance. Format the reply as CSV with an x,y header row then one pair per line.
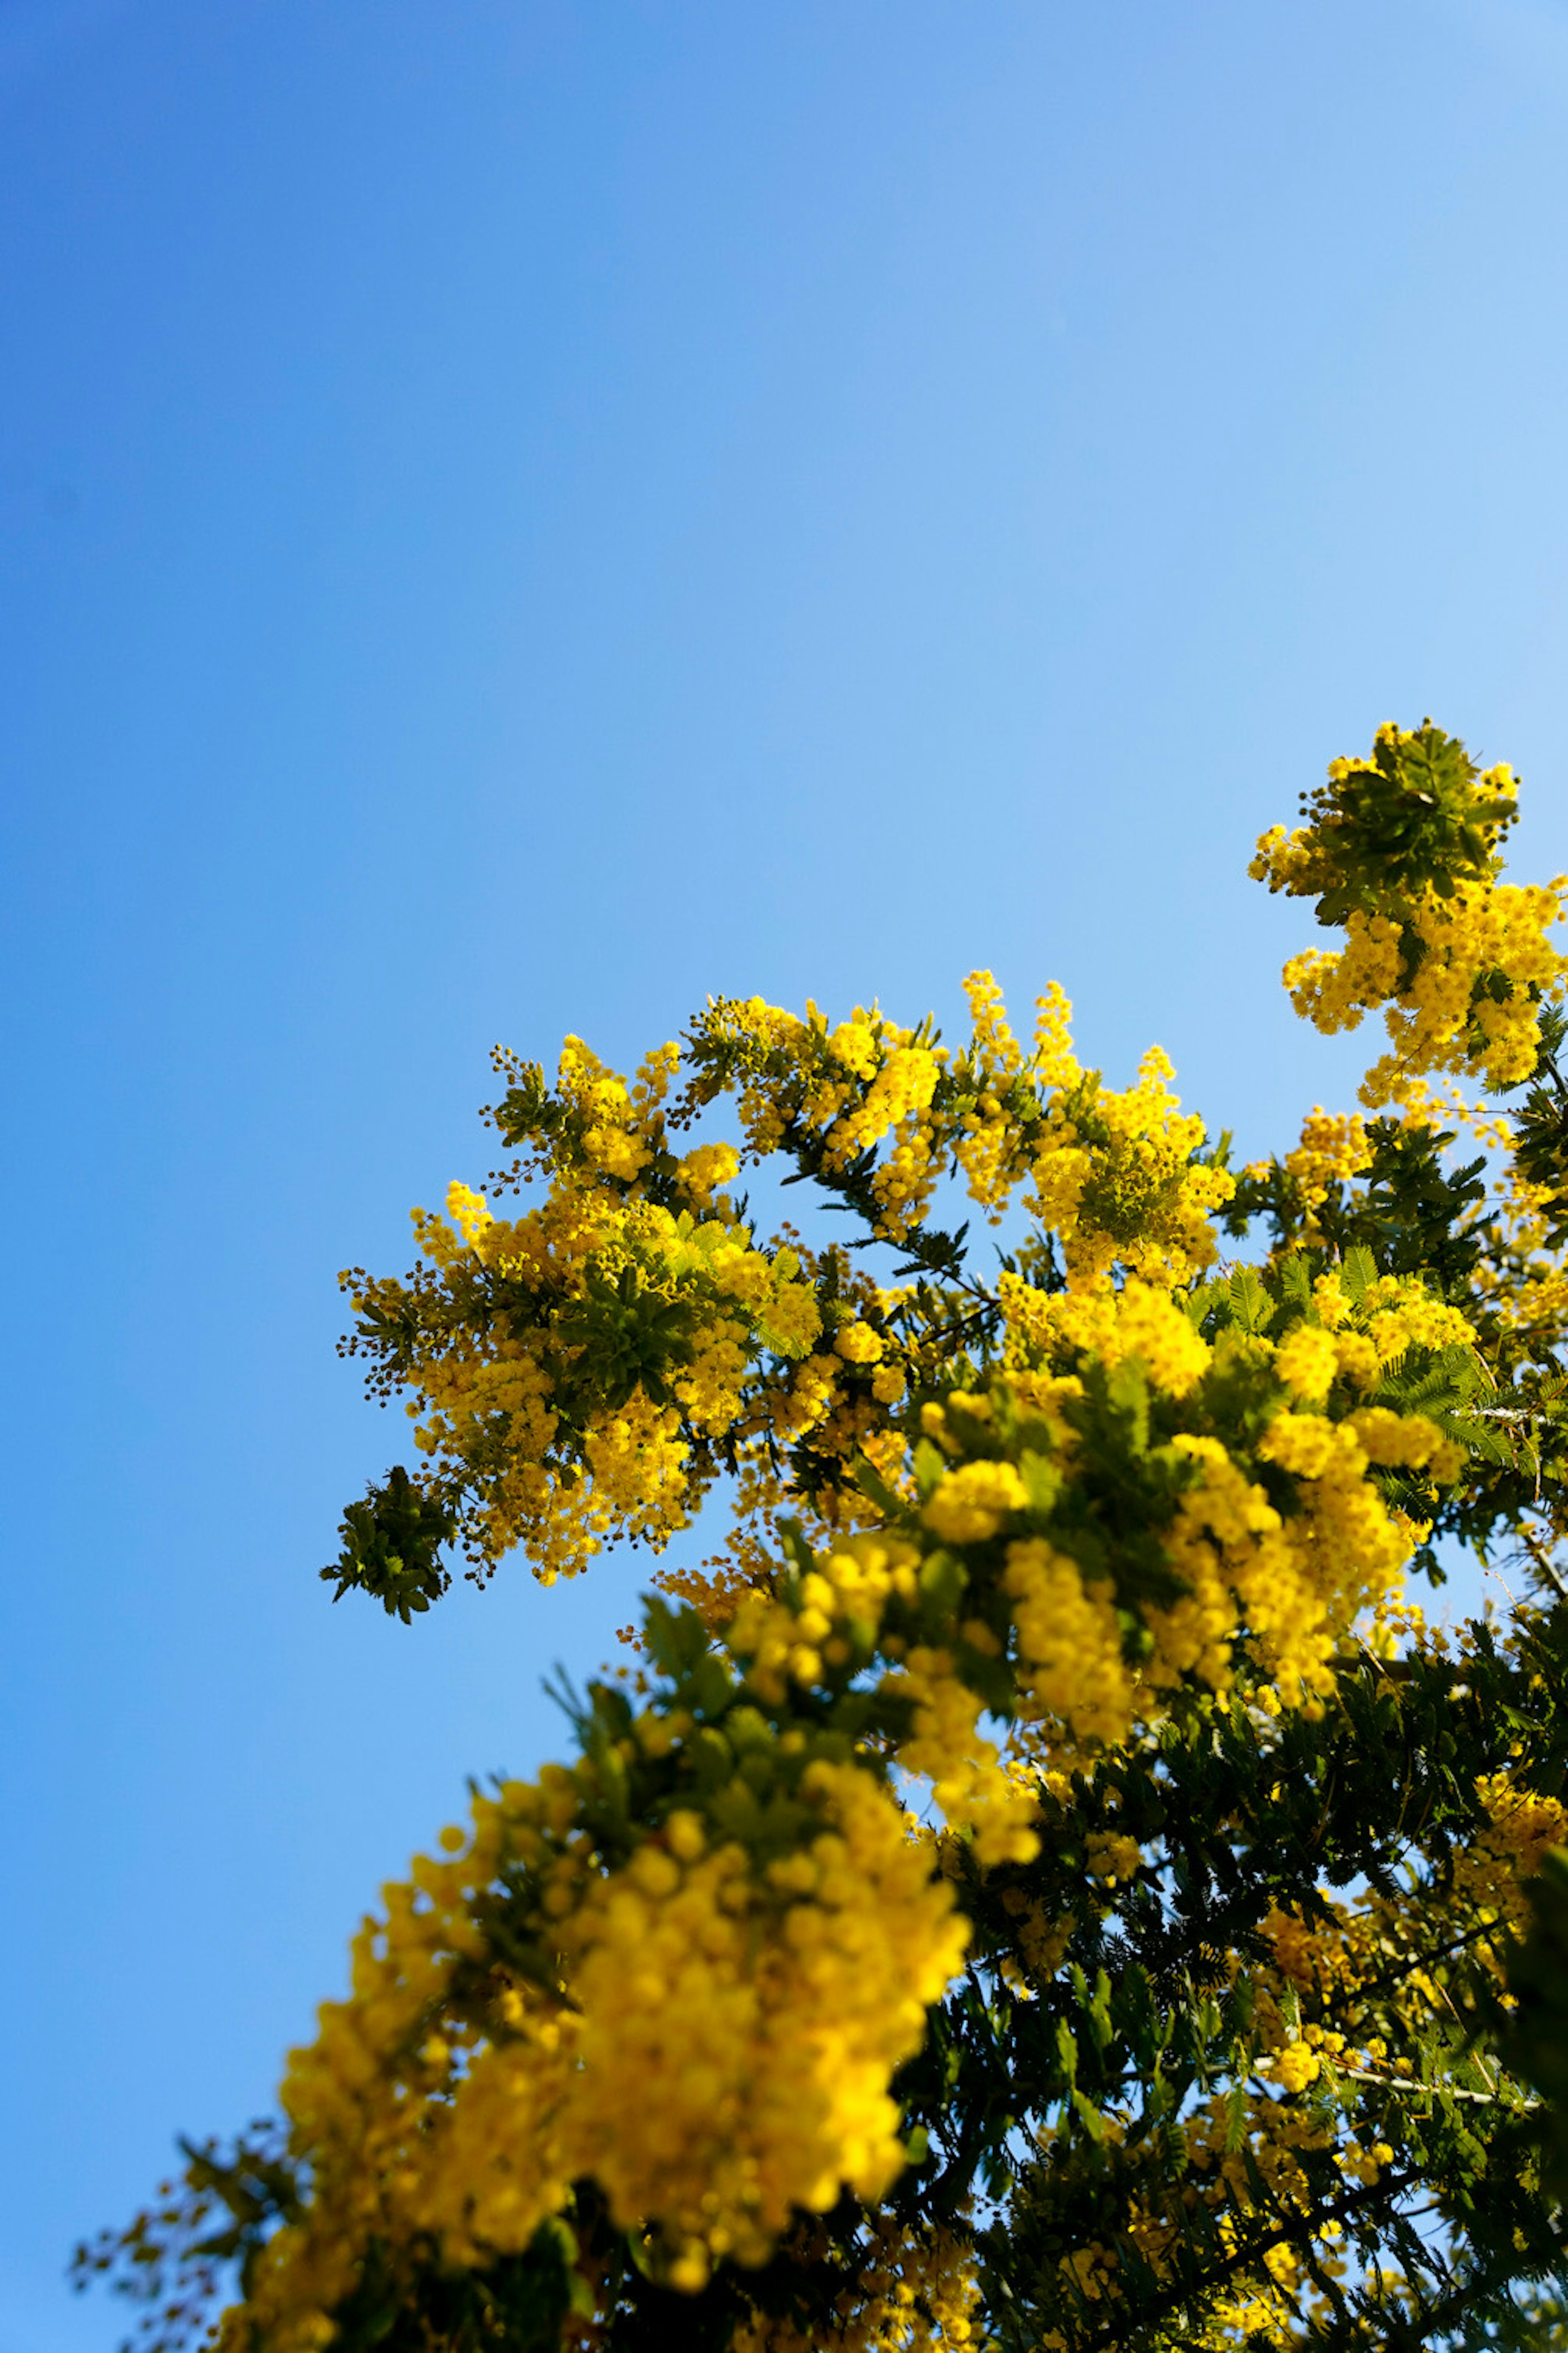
x,y
512,517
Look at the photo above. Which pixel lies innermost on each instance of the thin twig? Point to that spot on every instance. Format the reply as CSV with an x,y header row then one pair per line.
x,y
1431,2090
1542,1559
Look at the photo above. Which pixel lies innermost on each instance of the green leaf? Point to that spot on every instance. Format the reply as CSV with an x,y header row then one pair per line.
x,y
1359,1272
1250,1302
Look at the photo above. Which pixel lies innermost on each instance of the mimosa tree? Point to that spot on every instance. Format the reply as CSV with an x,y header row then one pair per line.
x,y
1041,1883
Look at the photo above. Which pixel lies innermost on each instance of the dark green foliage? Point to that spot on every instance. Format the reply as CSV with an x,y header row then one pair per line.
x,y
1536,2035
392,1547
1147,2021
1413,1214
518,2303
1417,816
631,1337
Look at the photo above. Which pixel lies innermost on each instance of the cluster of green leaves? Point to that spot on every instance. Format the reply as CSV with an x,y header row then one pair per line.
x,y
1414,1213
391,1546
1417,816
1534,2032
628,1336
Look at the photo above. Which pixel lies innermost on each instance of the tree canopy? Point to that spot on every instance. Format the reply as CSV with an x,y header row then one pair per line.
x,y
1041,1883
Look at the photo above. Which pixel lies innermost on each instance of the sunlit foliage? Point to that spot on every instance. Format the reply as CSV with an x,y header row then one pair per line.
x,y
1041,1883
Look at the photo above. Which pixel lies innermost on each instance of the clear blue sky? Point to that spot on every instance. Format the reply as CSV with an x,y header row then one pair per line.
x,y
513,516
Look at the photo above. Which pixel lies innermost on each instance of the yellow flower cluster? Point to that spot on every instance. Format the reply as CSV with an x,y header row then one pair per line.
x,y
838,1620
1246,2152
716,2056
1119,1183
1112,1855
486,1378
603,1104
1459,973
854,1087
1296,1583
1477,1904
752,2026
1291,1581
1245,2160
585,1370
1448,1020
372,2103
1111,1172
971,1503
1309,1360
1069,1642
1358,1341
974,1791
1139,1321
1488,1876
987,1144
1334,1148
836,1623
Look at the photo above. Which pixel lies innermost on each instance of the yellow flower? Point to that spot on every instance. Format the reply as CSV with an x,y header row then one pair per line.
x,y
969,1503
1307,1362
858,1344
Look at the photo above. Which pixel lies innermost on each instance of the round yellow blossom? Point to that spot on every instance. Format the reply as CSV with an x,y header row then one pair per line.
x,y
858,1344
969,1503
1307,1362
1296,2066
